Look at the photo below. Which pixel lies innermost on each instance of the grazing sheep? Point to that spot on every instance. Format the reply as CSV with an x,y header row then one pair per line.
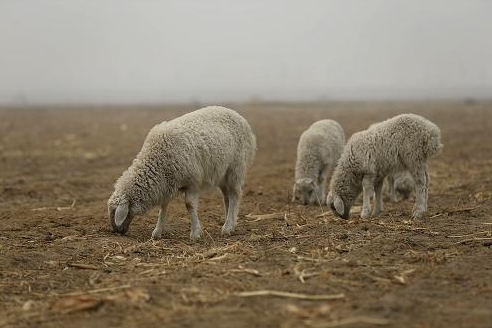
x,y
210,147
318,151
404,142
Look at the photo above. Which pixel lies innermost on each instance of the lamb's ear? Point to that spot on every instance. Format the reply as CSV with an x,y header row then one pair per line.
x,y
120,214
329,198
338,203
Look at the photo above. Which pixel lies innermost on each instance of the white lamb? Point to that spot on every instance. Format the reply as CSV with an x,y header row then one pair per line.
x,y
210,147
400,183
404,142
318,151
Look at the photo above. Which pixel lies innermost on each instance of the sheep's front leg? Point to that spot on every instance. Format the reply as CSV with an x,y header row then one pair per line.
x,y
378,199
191,201
421,184
161,220
368,192
234,195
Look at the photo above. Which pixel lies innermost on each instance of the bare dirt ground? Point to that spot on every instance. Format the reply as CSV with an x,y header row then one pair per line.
x,y
62,266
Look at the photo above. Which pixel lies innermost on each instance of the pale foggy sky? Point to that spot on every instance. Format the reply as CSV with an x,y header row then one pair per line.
x,y
222,50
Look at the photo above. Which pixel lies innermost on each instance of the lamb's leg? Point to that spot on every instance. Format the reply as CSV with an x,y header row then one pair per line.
x,y
234,195
161,220
322,193
392,190
378,198
419,175
191,201
368,192
225,195
322,186
426,187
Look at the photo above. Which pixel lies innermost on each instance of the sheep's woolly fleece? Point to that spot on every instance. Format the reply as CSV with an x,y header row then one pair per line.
x,y
318,151
196,149
403,142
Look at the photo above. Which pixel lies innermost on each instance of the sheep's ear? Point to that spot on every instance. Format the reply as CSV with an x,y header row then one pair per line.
x,y
338,203
329,198
120,214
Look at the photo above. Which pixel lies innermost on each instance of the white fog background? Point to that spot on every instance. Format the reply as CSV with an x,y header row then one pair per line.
x,y
117,51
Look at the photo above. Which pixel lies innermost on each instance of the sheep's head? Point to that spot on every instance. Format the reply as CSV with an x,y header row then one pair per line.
x,y
121,213
306,192
338,206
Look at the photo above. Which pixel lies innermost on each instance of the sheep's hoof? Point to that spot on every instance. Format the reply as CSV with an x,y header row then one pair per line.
x,y
365,214
195,234
376,213
417,214
227,230
156,234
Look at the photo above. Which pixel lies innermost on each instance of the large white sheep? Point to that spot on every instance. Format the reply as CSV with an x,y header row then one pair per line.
x,y
210,147
404,142
318,151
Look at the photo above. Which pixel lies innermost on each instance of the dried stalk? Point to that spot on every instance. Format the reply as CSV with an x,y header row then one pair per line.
x,y
290,295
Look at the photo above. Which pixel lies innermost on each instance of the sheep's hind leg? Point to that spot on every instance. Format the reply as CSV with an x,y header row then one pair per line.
x,y
426,187
368,192
191,201
225,195
392,190
161,220
378,199
420,192
234,195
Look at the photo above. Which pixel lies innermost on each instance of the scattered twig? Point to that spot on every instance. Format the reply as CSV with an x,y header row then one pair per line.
x,y
94,291
464,209
218,258
58,208
290,295
353,320
241,269
469,235
310,259
67,207
487,223
259,217
472,239
83,266
328,213
378,278
302,274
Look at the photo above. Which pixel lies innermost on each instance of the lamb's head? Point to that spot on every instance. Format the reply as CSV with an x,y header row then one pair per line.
x,y
338,206
121,212
306,191
344,189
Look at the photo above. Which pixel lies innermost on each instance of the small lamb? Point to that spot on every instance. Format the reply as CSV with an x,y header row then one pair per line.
x,y
210,147
400,183
318,151
404,142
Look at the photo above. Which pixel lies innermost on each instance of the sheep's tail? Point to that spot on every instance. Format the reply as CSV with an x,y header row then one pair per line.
x,y
434,145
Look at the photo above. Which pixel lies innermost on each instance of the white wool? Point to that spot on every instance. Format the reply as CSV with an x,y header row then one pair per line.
x,y
404,142
210,147
318,151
